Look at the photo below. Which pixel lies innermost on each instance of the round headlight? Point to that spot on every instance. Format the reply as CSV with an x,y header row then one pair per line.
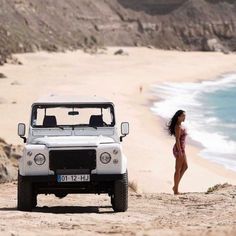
x,y
105,157
39,159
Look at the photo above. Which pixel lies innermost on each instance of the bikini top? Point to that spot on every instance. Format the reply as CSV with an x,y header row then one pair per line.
x,y
183,134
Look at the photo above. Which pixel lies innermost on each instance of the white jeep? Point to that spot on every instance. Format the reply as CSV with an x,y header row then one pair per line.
x,y
73,146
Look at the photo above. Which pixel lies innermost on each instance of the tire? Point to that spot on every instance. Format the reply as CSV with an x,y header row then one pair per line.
x,y
119,199
26,199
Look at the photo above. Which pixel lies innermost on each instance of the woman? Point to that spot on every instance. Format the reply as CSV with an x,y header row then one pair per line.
x,y
175,128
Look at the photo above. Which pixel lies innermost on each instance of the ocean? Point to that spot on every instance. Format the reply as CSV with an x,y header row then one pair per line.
x,y
210,114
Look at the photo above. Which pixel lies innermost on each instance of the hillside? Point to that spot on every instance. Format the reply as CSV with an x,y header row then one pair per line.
x,y
30,25
9,155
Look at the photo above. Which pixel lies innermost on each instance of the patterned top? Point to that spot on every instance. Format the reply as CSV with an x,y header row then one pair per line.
x,y
182,138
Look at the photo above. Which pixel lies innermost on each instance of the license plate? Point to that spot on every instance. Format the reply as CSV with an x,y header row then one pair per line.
x,y
73,178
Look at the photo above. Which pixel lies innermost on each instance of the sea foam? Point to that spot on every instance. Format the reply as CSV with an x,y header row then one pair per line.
x,y
202,123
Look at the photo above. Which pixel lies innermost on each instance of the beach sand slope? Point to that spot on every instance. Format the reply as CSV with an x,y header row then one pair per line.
x,y
119,78
149,214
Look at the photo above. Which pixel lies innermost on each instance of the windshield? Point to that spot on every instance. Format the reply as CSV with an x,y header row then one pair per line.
x,y
89,115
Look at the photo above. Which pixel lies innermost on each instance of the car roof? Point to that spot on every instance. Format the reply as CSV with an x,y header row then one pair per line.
x,y
71,99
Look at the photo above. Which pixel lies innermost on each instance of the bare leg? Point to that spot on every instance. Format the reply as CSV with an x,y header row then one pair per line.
x,y
182,173
178,167
184,168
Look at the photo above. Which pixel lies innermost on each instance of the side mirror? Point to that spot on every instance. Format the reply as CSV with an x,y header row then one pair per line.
x,y
124,130
21,131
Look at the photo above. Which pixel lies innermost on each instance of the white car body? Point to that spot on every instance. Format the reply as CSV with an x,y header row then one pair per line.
x,y
61,142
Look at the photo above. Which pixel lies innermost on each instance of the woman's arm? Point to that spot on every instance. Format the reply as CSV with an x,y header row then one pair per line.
x,y
177,137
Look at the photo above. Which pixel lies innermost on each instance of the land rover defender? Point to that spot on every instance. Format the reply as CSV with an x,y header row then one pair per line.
x,y
73,146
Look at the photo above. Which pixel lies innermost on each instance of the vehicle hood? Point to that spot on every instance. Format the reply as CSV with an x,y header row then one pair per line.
x,y
73,141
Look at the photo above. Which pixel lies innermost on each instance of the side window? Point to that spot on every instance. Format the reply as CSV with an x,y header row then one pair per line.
x,y
40,117
107,116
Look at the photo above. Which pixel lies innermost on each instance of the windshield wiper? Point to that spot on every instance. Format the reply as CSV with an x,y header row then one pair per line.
x,y
95,127
84,125
60,127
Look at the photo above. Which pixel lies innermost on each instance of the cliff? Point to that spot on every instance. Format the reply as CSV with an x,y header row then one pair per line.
x,y
31,25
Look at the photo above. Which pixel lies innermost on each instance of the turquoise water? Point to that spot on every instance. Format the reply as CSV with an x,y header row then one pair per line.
x,y
210,114
222,104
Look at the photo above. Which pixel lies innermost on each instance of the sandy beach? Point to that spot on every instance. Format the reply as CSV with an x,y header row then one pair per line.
x,y
150,214
148,147
150,58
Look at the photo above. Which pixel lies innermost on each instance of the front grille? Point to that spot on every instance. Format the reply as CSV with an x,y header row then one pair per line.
x,y
72,159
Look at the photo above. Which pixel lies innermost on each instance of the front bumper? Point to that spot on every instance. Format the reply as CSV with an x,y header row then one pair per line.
x,y
93,178
99,183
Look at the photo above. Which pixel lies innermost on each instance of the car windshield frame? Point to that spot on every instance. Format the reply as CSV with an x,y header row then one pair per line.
x,y
87,105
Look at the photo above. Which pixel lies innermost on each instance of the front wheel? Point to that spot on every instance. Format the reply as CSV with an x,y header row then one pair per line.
x,y
26,199
119,199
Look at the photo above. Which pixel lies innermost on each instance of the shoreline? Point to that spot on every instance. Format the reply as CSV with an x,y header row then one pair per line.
x,y
148,147
223,79
196,148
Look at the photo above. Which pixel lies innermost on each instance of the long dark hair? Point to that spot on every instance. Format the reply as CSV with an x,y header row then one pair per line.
x,y
172,123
